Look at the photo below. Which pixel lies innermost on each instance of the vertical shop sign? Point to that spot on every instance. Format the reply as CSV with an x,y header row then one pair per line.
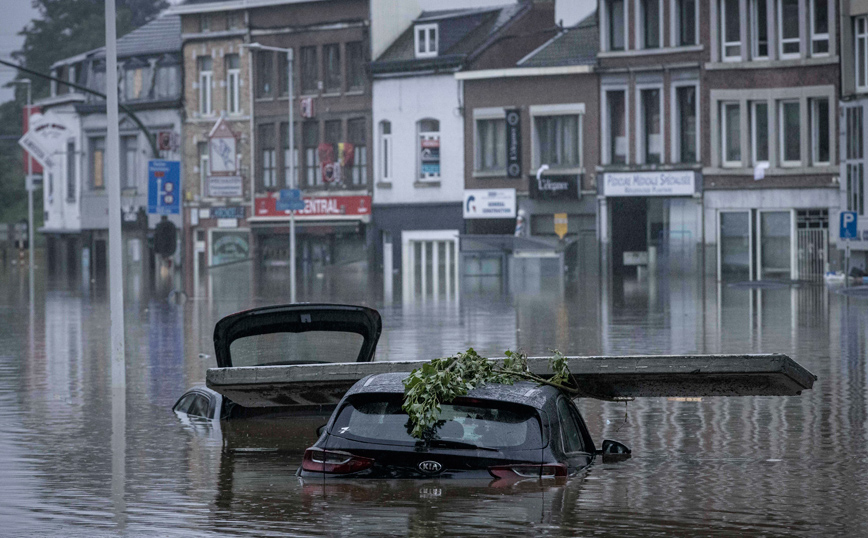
x,y
513,143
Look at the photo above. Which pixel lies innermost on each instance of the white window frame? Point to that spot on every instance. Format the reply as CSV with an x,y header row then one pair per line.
x,y
233,89
386,150
605,37
724,146
753,138
205,90
726,44
676,123
640,25
815,131
640,122
605,129
783,41
568,109
860,40
750,235
427,135
782,150
430,46
822,36
793,242
677,23
204,169
754,31
493,113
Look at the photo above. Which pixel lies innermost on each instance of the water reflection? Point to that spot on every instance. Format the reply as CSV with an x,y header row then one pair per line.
x,y
73,455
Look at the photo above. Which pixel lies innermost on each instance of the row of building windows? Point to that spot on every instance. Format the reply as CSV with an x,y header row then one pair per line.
x,y
205,81
140,80
313,76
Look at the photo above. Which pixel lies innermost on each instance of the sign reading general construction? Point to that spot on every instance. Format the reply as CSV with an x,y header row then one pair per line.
x,y
675,183
489,204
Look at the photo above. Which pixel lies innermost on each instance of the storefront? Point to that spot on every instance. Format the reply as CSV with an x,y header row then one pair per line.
x,y
330,230
653,220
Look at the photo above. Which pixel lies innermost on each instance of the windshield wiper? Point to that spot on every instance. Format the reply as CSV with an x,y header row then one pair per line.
x,y
446,443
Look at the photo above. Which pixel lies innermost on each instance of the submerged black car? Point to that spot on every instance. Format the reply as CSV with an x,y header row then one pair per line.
x,y
502,431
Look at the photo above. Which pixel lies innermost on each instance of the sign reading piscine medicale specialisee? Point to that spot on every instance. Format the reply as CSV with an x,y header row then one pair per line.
x,y
670,183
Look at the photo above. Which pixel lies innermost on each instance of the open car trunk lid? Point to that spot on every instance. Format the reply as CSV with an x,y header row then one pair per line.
x,y
297,334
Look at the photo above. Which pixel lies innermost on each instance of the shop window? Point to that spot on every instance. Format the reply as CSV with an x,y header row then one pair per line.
x,y
557,141
730,21
734,245
385,151
730,115
309,70
775,244
267,160
789,128
491,145
332,68
310,140
206,75
759,128
820,131
686,22
355,66
687,123
615,27
651,126
759,26
264,73
788,28
819,27
650,21
616,123
129,161
233,83
428,135
426,40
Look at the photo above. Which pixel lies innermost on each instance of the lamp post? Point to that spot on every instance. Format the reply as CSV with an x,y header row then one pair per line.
x,y
29,181
292,179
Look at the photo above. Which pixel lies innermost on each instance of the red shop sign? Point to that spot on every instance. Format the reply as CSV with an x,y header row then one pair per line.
x,y
317,207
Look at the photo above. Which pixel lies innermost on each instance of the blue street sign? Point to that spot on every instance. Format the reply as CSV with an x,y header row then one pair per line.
x,y
164,187
849,225
290,200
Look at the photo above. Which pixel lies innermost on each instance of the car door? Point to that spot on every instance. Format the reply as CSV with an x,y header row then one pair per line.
x,y
573,443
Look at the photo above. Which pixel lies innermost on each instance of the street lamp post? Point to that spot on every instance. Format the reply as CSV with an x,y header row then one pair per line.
x,y
29,180
292,178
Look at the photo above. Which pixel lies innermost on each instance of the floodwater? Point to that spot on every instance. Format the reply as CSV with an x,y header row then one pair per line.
x,y
78,460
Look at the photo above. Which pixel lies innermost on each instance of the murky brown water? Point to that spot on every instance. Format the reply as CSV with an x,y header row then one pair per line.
x,y
71,463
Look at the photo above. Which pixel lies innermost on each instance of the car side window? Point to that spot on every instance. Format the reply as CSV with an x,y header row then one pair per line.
x,y
200,407
183,406
570,436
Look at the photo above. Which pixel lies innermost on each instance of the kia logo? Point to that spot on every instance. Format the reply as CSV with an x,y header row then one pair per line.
x,y
430,467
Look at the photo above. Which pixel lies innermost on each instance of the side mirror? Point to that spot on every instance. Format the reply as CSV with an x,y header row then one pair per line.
x,y
320,430
613,451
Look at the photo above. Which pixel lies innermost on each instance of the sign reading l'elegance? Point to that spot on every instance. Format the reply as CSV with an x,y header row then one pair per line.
x,y
668,183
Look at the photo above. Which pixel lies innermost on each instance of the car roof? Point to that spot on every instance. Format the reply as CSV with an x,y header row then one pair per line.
x,y
522,392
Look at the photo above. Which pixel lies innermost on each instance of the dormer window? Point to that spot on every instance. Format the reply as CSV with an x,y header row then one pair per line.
x,y
426,40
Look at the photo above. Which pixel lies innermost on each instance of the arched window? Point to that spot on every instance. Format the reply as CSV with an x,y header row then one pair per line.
x,y
429,149
385,151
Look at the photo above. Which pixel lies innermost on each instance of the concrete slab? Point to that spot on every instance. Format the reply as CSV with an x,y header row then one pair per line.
x,y
606,378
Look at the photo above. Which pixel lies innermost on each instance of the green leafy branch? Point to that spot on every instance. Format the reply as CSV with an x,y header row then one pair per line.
x,y
442,380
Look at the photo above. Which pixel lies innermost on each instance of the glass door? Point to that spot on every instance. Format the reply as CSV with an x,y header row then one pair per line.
x,y
775,252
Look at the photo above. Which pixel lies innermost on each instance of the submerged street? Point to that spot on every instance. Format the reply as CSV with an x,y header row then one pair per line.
x,y
75,461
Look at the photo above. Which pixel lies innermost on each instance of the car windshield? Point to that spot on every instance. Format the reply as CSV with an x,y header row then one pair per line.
x,y
478,423
296,348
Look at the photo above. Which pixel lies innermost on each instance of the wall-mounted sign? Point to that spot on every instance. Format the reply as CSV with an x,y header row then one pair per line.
x,y
221,146
429,155
555,187
46,138
225,186
677,183
562,222
229,246
489,203
306,106
513,143
164,187
28,112
231,212
316,208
